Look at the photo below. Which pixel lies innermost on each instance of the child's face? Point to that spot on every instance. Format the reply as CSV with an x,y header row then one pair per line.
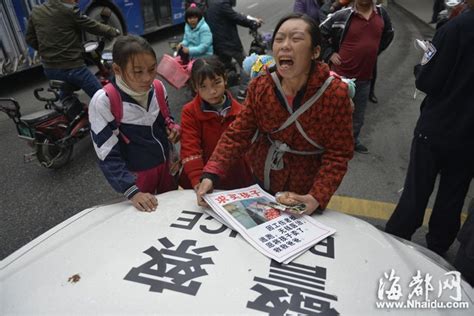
x,y
212,90
139,72
193,21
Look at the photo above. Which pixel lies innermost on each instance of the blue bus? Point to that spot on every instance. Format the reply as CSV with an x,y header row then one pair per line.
x,y
132,16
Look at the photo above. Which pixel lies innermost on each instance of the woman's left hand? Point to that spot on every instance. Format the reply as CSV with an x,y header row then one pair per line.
x,y
185,50
173,135
291,199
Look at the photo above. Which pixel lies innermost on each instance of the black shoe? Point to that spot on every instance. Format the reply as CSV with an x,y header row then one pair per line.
x,y
361,149
373,98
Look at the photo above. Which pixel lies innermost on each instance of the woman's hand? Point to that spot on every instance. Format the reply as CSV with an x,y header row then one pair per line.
x,y
144,202
206,186
335,59
291,199
173,135
185,49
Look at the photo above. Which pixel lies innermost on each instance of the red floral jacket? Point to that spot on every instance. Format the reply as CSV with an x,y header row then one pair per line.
x,y
200,132
328,122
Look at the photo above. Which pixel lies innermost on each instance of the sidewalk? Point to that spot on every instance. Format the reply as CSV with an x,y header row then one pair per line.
x,y
422,9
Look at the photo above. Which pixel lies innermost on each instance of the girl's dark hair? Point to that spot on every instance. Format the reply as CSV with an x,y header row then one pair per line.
x,y
314,30
192,12
128,46
206,68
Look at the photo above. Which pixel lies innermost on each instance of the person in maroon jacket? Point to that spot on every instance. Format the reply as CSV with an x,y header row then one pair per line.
x,y
203,121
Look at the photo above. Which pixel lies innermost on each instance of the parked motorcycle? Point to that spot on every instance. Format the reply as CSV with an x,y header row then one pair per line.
x,y
52,132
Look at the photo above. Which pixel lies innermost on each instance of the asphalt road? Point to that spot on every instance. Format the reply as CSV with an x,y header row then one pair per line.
x,y
34,199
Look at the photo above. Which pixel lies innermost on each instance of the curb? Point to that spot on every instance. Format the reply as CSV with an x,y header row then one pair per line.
x,y
402,8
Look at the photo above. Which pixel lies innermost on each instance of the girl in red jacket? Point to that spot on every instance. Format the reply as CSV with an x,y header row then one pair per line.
x,y
203,121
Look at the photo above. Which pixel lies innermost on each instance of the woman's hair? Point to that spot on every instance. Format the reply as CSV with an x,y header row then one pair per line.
x,y
313,27
128,46
192,11
206,68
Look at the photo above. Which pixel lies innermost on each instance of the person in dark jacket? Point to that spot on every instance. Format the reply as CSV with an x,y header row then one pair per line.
x,y
55,31
352,39
438,6
223,21
444,137
309,7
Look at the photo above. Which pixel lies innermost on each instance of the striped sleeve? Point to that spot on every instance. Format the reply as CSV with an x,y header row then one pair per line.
x,y
104,134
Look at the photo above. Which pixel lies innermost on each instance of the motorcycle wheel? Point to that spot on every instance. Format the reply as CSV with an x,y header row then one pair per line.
x,y
52,156
114,21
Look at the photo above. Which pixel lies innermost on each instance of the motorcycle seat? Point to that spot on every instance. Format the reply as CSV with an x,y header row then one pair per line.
x,y
40,116
63,85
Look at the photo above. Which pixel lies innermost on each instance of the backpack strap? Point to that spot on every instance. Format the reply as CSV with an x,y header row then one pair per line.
x,y
116,107
160,97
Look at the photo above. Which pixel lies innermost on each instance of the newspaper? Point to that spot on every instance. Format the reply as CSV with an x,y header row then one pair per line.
x,y
261,221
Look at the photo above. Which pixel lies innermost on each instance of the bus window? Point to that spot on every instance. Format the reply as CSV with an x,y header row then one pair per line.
x,y
131,16
156,13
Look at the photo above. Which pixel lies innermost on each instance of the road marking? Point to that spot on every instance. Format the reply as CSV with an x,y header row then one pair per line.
x,y
252,5
371,209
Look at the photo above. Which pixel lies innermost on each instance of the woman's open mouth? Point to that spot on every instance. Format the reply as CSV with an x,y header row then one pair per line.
x,y
285,62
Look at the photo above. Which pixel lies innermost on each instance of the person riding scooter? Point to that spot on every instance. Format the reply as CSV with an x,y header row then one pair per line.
x,y
223,21
62,55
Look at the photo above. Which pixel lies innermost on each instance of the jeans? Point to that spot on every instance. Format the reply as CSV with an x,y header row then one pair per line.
x,y
360,104
80,77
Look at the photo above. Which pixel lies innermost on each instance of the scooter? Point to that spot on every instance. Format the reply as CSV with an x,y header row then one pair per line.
x,y
177,72
261,41
53,131
260,45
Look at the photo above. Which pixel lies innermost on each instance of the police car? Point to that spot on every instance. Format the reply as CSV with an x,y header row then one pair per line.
x,y
178,260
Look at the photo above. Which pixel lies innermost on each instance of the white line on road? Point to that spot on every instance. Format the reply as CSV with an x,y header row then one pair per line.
x,y
252,5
